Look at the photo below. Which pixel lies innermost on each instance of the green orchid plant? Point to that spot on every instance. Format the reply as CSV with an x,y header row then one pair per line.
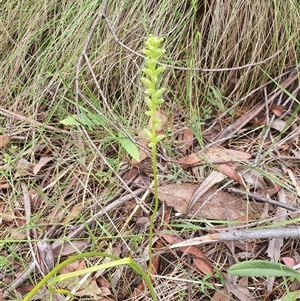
x,y
154,99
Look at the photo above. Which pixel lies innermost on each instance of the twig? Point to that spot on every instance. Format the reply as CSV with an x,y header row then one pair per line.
x,y
260,198
243,235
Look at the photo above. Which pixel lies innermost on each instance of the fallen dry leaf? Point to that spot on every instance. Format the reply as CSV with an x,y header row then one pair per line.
x,y
288,261
277,110
222,205
240,291
91,288
45,255
142,140
279,125
74,247
4,139
215,155
88,288
200,260
4,184
187,140
43,161
211,180
73,266
189,161
294,181
23,168
231,173
7,216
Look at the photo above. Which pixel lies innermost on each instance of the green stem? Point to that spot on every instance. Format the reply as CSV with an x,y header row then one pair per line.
x,y
155,188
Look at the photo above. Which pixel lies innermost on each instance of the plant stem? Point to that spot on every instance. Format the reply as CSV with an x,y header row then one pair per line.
x,y
155,188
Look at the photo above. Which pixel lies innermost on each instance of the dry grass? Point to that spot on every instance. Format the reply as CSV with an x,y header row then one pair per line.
x,y
40,46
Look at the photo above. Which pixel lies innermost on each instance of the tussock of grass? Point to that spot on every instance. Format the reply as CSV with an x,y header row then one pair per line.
x,y
41,42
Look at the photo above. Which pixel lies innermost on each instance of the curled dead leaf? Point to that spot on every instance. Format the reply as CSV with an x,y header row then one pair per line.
x,y
277,110
231,173
200,260
279,125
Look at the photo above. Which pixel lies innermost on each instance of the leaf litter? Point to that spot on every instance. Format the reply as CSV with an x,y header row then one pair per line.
x,y
208,199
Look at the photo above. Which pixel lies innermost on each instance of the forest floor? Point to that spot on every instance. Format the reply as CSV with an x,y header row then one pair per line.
x,y
76,170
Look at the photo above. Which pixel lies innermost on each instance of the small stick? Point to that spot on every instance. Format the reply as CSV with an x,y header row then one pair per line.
x,y
260,198
243,235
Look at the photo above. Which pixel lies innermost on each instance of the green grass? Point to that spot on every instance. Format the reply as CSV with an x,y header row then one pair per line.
x,y
41,43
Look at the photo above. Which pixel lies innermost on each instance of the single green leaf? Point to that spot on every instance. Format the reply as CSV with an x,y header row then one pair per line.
x,y
88,120
97,119
71,120
130,147
74,120
261,268
291,296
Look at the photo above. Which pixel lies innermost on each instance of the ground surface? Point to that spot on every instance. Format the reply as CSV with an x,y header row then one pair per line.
x,y
76,170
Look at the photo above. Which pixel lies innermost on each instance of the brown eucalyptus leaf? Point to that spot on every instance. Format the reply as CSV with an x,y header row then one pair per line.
x,y
221,295
189,161
294,181
211,180
221,204
23,168
241,292
218,154
215,155
143,140
228,171
77,245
